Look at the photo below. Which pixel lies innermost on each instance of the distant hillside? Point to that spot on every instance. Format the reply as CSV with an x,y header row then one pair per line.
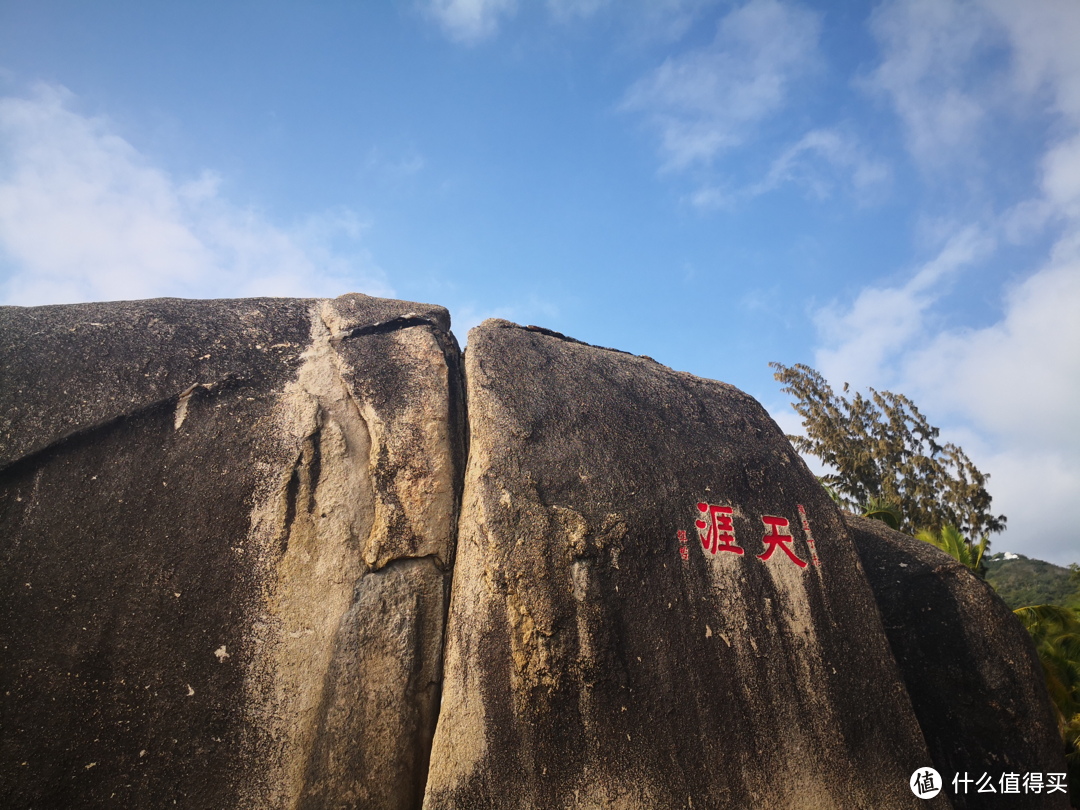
x,y
1021,581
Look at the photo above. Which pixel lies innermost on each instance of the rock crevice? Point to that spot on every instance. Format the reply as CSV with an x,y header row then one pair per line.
x,y
308,554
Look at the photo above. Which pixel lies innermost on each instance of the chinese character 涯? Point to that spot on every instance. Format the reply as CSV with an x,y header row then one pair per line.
x,y
715,528
775,539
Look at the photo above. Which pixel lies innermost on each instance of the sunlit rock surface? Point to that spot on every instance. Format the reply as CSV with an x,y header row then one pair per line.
x,y
589,664
258,554
227,528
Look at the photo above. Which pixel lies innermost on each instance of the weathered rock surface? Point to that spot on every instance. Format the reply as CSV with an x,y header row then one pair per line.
x,y
589,665
227,536
970,667
227,530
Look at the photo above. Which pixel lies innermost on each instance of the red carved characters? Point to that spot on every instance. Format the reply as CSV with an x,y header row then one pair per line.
x,y
809,537
775,539
715,528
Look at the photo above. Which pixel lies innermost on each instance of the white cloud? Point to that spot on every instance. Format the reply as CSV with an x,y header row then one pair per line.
x,y
469,21
84,216
927,47
1043,35
1019,378
713,197
939,70
1061,177
822,160
1007,391
711,99
860,341
1037,490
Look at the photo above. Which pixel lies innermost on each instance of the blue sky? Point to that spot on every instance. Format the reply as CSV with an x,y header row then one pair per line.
x,y
889,192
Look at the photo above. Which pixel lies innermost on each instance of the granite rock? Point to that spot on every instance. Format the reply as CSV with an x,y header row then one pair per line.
x,y
258,554
227,531
589,664
970,667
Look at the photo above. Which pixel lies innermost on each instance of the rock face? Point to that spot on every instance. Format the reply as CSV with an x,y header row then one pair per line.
x,y
969,666
589,664
228,531
228,528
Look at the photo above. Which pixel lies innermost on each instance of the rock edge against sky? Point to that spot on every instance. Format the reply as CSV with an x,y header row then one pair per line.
x,y
303,553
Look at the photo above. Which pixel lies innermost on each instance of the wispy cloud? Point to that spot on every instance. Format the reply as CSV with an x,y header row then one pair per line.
x,y
405,164
711,99
469,21
953,72
565,10
882,322
824,162
930,60
927,48
84,216
949,66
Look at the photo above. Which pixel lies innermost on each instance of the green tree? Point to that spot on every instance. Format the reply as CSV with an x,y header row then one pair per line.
x,y
1056,633
882,449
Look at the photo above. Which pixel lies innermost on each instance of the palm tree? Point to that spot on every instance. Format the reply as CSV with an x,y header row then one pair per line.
x,y
1056,633
885,511
953,543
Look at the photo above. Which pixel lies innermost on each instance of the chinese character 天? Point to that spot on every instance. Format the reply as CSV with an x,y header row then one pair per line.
x,y
777,539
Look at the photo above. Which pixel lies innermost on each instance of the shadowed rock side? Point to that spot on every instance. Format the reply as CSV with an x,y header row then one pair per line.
x,y
971,670
226,532
589,665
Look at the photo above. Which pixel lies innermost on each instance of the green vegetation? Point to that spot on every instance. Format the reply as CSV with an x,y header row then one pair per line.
x,y
887,513
1023,581
890,467
953,543
1056,633
884,450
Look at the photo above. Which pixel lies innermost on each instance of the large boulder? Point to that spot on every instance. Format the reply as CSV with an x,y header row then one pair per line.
x,y
226,531
970,668
640,614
